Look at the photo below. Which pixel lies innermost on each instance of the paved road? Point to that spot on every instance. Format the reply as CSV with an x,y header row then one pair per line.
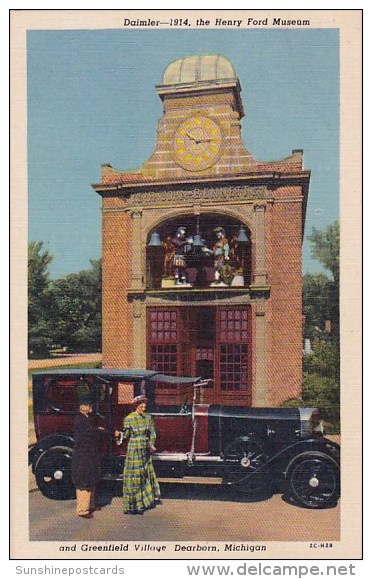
x,y
187,513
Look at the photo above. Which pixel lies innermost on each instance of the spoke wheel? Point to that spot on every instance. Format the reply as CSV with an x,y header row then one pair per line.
x,y
245,468
53,473
313,481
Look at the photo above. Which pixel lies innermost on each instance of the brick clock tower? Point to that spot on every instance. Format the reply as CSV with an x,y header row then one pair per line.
x,y
202,249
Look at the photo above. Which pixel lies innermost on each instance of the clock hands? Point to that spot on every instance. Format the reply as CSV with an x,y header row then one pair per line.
x,y
198,140
197,143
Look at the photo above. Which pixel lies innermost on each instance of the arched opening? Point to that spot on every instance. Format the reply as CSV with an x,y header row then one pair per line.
x,y
199,251
214,341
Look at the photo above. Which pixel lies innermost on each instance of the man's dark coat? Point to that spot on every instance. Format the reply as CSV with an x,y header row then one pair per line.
x,y
86,470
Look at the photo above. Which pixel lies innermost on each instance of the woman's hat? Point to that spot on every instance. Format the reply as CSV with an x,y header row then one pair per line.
x,y
139,399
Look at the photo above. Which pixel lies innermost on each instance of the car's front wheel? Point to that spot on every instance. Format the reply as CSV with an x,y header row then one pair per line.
x,y
245,468
313,480
53,473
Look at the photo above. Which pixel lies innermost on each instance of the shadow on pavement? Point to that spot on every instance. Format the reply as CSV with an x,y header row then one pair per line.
x,y
107,491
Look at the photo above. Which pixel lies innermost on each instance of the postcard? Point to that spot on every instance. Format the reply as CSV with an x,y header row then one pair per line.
x,y
186,286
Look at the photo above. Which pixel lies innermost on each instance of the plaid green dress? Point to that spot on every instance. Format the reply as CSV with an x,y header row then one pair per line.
x,y
140,486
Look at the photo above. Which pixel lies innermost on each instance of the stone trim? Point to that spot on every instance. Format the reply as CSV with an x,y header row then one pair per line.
x,y
260,391
137,277
211,204
197,195
260,272
194,299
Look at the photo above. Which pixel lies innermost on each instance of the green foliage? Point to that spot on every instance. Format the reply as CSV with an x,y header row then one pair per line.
x,y
321,369
76,309
39,330
321,381
38,263
320,293
293,403
326,248
321,384
65,312
323,392
314,304
324,361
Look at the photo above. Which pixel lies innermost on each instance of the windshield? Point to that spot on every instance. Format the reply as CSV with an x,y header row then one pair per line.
x,y
65,394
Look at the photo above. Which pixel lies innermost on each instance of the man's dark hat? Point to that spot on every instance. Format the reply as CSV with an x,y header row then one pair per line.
x,y
85,401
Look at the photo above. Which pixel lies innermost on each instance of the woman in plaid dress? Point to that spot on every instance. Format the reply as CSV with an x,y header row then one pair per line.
x,y
140,486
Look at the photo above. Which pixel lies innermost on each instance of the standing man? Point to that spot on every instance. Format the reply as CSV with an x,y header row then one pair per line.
x,y
86,467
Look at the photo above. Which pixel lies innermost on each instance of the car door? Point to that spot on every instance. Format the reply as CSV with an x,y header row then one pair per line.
x,y
174,429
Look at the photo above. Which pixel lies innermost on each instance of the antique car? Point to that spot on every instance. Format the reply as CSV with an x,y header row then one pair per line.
x,y
248,449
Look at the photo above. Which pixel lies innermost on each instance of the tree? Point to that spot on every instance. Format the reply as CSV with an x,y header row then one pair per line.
x,y
321,368
321,381
321,384
326,248
314,304
39,331
66,311
76,309
325,361
321,294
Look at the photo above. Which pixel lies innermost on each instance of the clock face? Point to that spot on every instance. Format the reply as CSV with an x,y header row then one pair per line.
x,y
197,143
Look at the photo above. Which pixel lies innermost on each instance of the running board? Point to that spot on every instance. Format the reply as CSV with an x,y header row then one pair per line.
x,y
185,457
188,459
201,480
170,457
196,480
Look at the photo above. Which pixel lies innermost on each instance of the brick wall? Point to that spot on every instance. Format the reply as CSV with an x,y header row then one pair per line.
x,y
283,241
235,158
117,323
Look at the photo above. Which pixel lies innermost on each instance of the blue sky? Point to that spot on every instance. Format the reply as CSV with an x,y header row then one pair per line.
x,y
92,100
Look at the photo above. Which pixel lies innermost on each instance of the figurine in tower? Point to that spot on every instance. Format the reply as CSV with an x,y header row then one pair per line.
x,y
220,251
235,255
169,252
179,260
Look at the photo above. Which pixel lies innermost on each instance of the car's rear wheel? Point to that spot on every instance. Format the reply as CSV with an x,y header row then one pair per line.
x,y
313,481
53,473
245,468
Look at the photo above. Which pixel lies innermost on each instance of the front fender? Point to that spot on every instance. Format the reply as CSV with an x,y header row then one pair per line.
x,y
284,456
319,443
36,450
